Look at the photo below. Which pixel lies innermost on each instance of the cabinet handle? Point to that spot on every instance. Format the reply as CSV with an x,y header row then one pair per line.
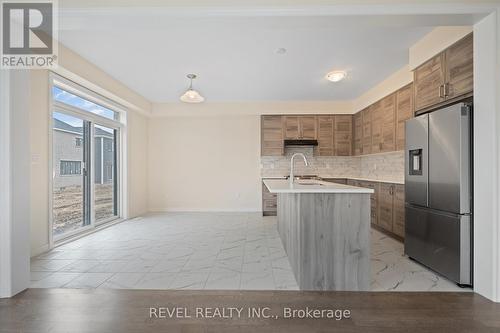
x,y
391,190
446,90
441,91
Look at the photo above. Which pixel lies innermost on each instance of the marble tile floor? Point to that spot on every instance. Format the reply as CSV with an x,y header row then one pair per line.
x,y
205,251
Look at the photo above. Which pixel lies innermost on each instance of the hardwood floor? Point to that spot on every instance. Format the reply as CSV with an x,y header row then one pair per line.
x,y
106,310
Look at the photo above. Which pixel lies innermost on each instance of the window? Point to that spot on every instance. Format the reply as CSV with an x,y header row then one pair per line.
x,y
86,151
66,97
78,142
70,168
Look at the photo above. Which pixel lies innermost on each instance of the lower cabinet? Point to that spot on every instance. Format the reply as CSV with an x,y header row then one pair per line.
x,y
269,202
398,222
387,203
336,180
374,198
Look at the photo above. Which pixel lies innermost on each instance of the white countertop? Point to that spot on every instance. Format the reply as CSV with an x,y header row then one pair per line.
x,y
311,186
391,181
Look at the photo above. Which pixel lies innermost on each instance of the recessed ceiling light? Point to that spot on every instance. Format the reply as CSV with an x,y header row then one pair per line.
x,y
281,50
336,76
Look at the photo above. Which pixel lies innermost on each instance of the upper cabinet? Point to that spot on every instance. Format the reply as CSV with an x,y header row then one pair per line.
x,y
383,115
380,127
428,82
388,138
367,130
404,111
343,135
308,127
271,136
300,127
377,119
333,132
357,129
447,76
291,128
459,68
325,136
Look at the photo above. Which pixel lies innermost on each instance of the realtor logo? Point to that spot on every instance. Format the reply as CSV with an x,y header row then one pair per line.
x,y
28,40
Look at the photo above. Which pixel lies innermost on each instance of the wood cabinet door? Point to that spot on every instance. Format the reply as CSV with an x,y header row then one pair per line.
x,y
325,136
459,68
343,135
404,111
374,202
336,180
269,201
367,131
307,127
377,113
398,224
388,138
357,134
291,127
373,198
385,206
271,136
428,80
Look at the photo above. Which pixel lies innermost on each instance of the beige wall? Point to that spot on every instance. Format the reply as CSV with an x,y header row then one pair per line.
x,y
39,124
389,85
434,42
204,163
250,108
79,70
138,129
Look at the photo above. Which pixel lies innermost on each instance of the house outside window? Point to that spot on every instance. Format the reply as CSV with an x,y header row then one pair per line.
x,y
78,142
70,168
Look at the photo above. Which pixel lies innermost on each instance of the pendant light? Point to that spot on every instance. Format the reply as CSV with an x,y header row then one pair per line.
x,y
191,95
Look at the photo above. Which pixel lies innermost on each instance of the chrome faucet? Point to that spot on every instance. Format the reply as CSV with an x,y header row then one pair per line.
x,y
291,166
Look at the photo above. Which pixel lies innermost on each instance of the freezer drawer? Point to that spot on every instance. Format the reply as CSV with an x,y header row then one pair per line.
x,y
416,160
440,241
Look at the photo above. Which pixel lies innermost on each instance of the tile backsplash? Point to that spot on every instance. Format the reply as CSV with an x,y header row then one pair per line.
x,y
384,167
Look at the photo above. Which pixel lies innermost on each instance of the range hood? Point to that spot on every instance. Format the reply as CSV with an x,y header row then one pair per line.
x,y
301,142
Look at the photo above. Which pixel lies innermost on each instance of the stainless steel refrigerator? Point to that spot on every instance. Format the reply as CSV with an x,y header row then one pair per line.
x,y
438,189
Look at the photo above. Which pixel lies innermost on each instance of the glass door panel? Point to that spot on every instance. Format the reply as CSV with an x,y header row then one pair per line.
x,y
70,148
105,173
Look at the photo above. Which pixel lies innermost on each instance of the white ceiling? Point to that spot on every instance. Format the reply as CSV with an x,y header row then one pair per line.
x,y
235,57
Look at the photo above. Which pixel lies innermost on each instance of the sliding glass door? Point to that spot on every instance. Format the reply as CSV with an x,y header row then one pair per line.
x,y
105,173
85,163
71,181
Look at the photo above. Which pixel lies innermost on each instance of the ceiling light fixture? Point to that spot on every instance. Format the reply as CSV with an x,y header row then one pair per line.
x,y
191,95
336,76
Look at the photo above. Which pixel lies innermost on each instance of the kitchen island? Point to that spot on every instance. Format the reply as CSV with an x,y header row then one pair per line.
x,y
325,230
